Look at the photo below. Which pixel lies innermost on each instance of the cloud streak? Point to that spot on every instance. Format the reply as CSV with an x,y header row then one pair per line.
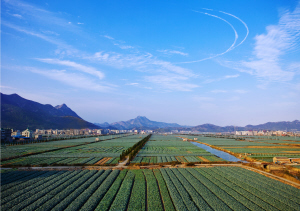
x,y
141,62
71,79
172,82
270,47
221,79
41,16
68,49
80,67
233,45
173,52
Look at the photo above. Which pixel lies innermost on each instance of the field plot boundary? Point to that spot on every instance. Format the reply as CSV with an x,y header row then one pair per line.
x,y
52,150
219,188
272,176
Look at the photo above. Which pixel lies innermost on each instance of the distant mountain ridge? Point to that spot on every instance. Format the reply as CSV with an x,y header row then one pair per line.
x,y
140,123
66,111
20,113
283,125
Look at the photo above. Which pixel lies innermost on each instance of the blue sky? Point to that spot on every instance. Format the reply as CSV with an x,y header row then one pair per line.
x,y
189,62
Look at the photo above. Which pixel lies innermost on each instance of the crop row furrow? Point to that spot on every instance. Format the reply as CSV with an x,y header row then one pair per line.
x,y
111,192
33,195
176,197
196,197
258,192
123,195
63,204
18,179
27,186
268,191
153,194
49,204
138,195
246,202
86,196
50,194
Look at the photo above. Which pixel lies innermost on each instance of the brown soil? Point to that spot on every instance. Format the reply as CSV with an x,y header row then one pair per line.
x,y
102,161
204,159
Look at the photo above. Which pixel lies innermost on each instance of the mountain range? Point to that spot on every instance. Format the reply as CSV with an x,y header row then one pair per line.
x,y
139,123
284,125
142,123
19,113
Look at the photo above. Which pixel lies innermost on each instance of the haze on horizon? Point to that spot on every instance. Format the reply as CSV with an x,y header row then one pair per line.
x,y
186,62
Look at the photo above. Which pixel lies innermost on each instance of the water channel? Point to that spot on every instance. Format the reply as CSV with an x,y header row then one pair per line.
x,y
221,154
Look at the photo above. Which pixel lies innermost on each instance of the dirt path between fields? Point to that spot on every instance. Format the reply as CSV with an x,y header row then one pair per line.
x,y
272,176
123,164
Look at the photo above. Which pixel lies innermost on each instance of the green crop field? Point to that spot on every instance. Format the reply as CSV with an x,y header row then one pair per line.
x,y
215,188
8,151
103,152
260,147
163,149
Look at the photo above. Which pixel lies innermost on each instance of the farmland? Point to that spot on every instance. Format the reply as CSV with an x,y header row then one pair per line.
x,y
164,149
258,147
82,151
215,188
9,151
106,151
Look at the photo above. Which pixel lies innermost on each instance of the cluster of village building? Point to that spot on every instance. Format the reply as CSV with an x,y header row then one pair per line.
x,y
9,135
243,133
266,133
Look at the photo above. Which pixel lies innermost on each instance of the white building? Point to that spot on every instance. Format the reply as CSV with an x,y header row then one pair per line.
x,y
27,133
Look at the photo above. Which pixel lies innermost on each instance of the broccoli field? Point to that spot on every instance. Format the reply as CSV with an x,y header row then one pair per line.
x,y
213,188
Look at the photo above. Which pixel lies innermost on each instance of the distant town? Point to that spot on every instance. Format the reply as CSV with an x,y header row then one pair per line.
x,y
10,135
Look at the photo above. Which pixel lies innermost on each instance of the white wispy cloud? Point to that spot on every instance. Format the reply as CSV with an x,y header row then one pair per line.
x,y
141,62
173,52
80,67
166,75
221,78
17,16
132,84
71,79
109,37
50,32
295,67
6,87
271,46
231,76
123,46
68,49
138,85
38,14
239,91
172,82
80,23
233,45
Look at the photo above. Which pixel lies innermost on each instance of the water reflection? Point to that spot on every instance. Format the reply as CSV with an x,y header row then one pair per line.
x,y
221,154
